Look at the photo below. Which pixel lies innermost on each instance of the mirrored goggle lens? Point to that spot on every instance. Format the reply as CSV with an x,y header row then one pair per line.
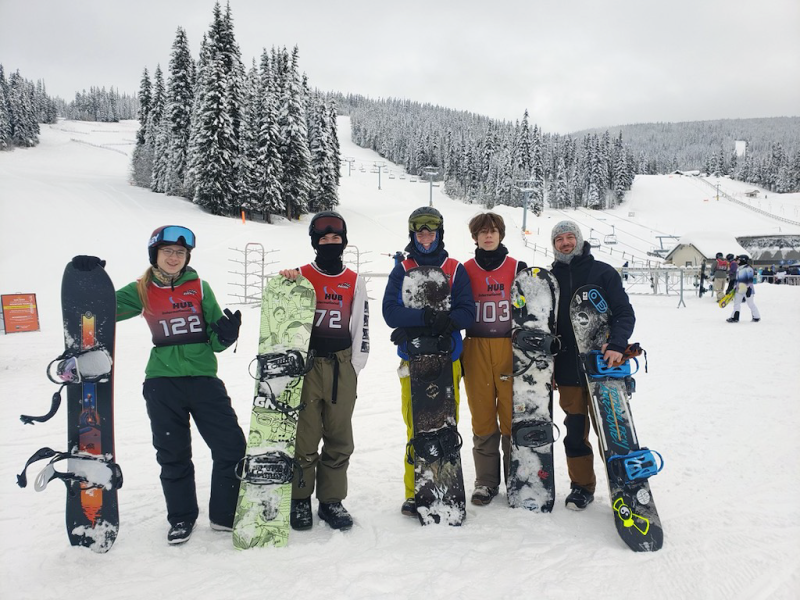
x,y
429,222
173,234
325,225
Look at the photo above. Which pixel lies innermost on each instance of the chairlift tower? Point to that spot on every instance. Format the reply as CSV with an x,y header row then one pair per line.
x,y
378,165
526,187
430,171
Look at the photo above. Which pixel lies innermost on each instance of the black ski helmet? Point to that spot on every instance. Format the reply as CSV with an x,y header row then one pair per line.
x,y
719,255
743,259
325,222
169,235
729,256
420,214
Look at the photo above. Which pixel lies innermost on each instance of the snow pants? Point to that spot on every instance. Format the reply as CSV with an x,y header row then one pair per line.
x,y
329,395
484,360
405,397
741,297
574,401
170,402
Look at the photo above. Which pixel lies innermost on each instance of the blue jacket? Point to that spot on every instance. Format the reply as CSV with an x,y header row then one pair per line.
x,y
462,304
585,270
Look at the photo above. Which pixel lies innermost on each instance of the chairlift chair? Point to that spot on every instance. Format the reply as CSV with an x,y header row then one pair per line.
x,y
593,241
611,238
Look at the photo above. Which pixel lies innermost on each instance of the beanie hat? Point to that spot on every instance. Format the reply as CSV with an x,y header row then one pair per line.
x,y
568,227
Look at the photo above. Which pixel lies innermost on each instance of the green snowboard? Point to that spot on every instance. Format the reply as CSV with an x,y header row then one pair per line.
x,y
262,512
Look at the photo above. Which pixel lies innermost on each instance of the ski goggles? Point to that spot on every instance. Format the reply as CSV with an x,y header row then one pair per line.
x,y
172,234
328,224
430,222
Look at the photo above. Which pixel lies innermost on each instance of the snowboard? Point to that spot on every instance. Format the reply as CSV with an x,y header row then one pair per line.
x,y
88,305
534,302
438,480
628,465
267,469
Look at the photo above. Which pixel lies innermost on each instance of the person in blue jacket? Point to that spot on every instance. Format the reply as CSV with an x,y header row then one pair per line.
x,y
426,248
575,267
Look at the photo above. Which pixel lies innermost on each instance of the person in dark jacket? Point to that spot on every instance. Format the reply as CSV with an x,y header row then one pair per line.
x,y
575,267
426,248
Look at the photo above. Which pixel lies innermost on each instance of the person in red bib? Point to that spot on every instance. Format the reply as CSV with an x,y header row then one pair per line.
x,y
487,353
426,247
188,328
340,342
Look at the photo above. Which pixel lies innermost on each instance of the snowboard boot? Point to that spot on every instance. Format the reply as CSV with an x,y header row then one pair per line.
x,y
483,495
756,320
734,318
409,507
335,515
300,516
579,498
180,532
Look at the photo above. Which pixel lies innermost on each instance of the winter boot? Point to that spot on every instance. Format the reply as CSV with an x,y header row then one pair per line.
x,y
409,507
335,515
180,532
220,527
734,318
300,516
579,498
483,495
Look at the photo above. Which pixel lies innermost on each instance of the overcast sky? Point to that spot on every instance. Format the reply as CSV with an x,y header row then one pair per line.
x,y
573,64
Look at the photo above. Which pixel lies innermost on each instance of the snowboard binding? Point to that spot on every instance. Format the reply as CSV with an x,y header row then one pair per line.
x,y
427,344
89,366
270,468
636,466
282,364
535,344
441,445
90,471
533,434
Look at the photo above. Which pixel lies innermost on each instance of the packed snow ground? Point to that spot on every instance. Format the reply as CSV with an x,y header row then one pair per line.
x,y
720,403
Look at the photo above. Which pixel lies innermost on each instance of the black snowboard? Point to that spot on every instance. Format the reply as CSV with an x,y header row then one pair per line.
x,y
88,305
627,465
534,298
438,482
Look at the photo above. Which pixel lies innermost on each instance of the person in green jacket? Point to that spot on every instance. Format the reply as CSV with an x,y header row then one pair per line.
x,y
188,327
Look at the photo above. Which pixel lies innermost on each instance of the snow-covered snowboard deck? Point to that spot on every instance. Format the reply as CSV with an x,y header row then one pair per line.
x,y
439,482
263,508
534,301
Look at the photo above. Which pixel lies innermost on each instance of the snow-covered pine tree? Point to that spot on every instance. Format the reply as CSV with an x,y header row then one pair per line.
x,y
22,114
249,177
158,133
180,96
295,156
5,122
323,192
142,162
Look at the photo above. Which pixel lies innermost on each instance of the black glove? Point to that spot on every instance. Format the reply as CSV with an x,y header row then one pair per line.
x,y
438,321
399,336
749,292
83,262
227,327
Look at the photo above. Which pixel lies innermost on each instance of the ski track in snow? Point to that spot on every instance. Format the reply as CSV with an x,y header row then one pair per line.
x,y
720,403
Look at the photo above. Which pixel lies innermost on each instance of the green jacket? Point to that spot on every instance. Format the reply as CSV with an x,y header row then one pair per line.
x,y
184,360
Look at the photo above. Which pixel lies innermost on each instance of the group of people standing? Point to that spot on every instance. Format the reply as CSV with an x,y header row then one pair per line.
x,y
181,375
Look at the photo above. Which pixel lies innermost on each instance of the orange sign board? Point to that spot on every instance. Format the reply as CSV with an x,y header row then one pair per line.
x,y
20,312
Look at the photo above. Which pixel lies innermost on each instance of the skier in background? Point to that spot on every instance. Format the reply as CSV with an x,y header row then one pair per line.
x,y
188,327
340,342
575,267
487,353
744,290
426,247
